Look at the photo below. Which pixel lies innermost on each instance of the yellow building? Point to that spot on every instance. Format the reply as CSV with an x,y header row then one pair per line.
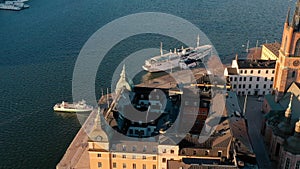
x,y
270,51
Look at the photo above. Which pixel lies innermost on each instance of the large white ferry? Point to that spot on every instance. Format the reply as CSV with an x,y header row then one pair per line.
x,y
78,107
183,58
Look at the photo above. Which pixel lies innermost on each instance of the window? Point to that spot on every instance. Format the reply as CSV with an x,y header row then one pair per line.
x,y
113,147
172,151
154,157
133,156
251,71
245,78
145,148
241,78
266,78
124,148
144,166
154,166
272,78
249,92
98,155
194,152
99,165
235,79
114,155
134,166
164,160
144,157
257,79
297,165
297,48
230,79
257,85
273,71
293,74
250,86
265,86
250,79
287,163
258,71
271,86
234,86
267,71
134,148
277,149
245,71
219,153
206,152
240,86
241,71
124,165
164,150
114,165
244,86
123,156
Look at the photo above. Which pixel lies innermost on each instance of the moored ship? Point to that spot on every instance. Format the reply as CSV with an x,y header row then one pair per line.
x,y
78,107
183,58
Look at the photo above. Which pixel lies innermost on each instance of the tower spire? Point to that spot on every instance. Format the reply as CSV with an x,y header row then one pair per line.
x,y
287,20
288,111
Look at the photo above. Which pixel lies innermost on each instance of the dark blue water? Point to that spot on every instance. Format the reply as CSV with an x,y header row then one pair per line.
x,y
39,47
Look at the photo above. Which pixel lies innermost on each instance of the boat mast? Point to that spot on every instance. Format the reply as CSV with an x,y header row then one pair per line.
x,y
161,50
247,49
198,40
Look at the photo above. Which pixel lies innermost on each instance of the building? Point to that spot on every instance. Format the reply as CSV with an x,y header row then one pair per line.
x,y
252,77
150,147
288,63
278,129
281,127
270,51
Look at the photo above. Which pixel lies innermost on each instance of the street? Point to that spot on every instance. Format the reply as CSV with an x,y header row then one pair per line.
x,y
254,117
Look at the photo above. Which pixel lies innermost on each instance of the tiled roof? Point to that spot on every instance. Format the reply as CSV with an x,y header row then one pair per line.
x,y
232,71
273,47
256,64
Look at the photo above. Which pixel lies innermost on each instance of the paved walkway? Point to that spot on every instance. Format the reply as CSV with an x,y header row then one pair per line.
x,y
76,156
254,118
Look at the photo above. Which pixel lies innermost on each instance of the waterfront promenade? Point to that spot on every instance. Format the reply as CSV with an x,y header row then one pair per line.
x,y
76,156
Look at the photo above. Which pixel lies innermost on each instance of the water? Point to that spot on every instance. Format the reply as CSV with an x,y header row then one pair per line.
x,y
39,46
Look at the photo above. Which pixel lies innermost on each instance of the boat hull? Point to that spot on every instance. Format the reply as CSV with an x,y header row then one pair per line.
x,y
66,110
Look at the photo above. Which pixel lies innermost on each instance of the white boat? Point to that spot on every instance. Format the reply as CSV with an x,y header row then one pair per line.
x,y
78,107
184,58
9,7
18,4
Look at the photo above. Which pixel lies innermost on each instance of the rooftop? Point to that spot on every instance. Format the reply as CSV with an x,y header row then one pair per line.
x,y
232,71
273,47
256,64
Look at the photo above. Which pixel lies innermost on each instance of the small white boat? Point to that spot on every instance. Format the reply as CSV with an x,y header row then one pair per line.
x,y
78,107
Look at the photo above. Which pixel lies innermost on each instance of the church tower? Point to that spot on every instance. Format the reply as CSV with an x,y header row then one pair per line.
x,y
288,64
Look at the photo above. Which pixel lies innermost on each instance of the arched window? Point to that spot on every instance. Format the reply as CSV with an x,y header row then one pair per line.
x,y
293,73
285,44
297,48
